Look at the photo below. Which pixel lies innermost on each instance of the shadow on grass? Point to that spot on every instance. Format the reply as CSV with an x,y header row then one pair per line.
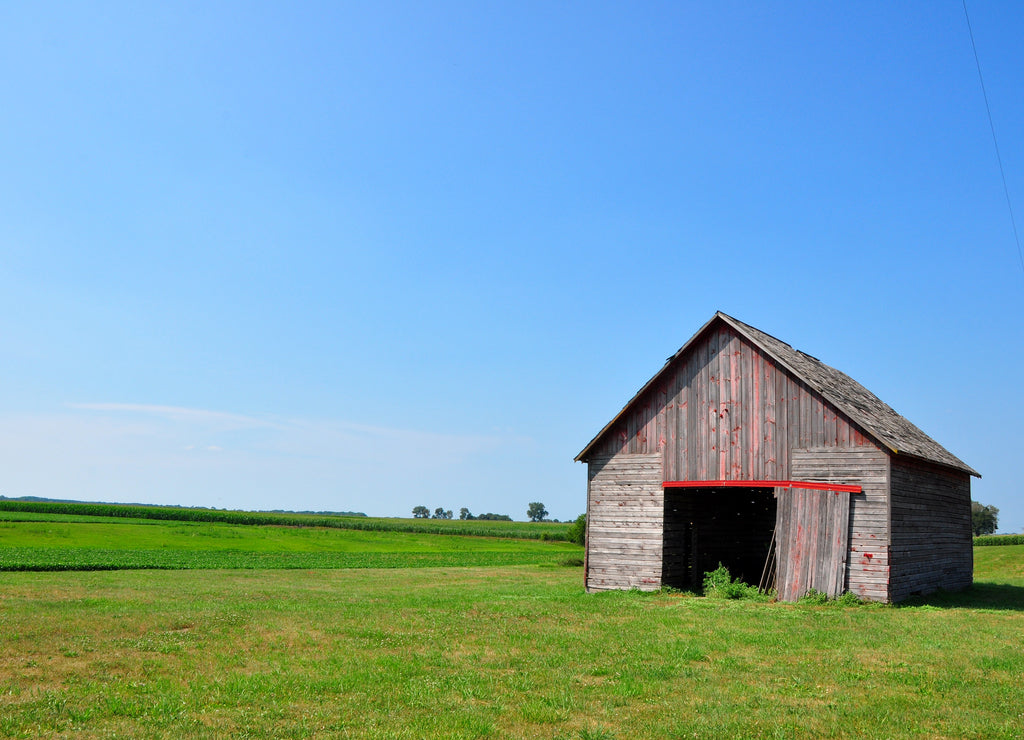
x,y
979,596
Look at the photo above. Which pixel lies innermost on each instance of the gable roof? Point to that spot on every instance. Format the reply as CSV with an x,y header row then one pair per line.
x,y
886,427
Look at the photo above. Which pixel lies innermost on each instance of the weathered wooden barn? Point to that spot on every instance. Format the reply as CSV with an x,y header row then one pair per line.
x,y
745,451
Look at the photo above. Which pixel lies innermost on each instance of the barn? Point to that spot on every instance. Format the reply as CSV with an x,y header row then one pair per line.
x,y
745,451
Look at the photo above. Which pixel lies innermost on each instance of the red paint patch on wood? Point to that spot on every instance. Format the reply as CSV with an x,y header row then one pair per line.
x,y
810,485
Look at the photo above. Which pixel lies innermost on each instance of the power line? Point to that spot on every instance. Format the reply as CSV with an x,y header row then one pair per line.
x,y
992,127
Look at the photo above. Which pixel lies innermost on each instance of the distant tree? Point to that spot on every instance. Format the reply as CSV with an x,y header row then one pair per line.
x,y
440,513
984,519
494,517
464,514
536,512
420,512
578,531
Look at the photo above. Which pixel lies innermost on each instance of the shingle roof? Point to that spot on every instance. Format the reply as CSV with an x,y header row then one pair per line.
x,y
878,419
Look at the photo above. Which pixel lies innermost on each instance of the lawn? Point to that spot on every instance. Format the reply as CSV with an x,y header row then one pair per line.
x,y
495,652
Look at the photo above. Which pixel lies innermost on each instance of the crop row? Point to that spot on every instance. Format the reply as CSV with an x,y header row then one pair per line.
x,y
82,558
514,530
999,539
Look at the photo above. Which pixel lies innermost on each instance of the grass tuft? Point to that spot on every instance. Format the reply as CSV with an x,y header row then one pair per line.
x,y
596,734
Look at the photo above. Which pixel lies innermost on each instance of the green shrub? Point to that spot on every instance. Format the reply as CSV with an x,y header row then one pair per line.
x,y
577,532
717,579
719,584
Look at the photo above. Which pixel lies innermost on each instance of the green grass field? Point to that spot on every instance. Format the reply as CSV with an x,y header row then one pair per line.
x,y
463,651
118,544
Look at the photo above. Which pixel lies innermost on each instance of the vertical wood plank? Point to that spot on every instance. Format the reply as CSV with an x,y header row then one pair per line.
x,y
732,411
715,401
741,420
682,410
698,462
769,470
754,427
711,452
817,421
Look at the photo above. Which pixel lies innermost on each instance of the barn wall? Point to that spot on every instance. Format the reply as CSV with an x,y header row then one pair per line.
x,y
625,515
932,546
726,411
868,560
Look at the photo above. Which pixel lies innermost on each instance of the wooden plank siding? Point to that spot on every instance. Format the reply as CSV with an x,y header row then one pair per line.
x,y
625,522
811,542
867,565
731,414
932,546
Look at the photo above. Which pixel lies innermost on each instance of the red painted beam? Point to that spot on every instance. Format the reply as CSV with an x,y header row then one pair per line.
x,y
813,485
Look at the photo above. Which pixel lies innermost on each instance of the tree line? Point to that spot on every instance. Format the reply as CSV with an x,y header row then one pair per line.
x,y
422,512
535,512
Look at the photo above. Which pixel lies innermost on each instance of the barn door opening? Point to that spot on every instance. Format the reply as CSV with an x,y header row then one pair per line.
x,y
707,526
811,541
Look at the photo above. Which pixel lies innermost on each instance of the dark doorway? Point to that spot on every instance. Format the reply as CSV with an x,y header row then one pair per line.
x,y
708,526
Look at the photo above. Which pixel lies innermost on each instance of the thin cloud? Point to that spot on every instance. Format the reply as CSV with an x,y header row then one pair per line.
x,y
326,431
175,413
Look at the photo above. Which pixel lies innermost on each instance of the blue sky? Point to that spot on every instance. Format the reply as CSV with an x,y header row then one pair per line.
x,y
368,256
